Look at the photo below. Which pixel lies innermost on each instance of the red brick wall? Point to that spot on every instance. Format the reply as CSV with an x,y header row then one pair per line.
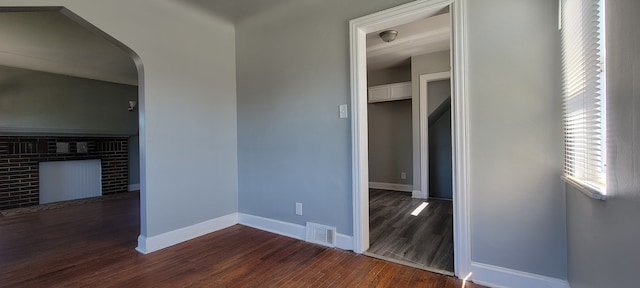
x,y
20,155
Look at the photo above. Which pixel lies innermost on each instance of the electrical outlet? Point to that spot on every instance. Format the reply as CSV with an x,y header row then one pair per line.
x,y
403,175
298,208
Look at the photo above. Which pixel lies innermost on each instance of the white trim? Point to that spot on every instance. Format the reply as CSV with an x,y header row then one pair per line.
x,y
295,231
391,186
358,28
134,187
459,135
416,194
147,245
586,189
359,135
424,128
494,276
274,226
344,242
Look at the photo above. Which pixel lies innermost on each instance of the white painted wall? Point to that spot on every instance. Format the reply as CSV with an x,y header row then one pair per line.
x,y
189,108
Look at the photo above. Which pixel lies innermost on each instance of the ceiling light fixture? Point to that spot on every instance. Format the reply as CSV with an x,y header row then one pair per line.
x,y
388,35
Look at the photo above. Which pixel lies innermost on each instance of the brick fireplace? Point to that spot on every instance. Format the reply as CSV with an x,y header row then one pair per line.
x,y
20,157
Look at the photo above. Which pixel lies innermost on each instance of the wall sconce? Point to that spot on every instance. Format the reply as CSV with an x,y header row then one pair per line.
x,y
388,35
132,105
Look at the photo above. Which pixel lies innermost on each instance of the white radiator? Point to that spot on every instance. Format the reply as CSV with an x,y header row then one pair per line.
x,y
69,180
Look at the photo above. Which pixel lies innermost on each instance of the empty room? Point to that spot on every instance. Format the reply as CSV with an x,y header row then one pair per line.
x,y
246,127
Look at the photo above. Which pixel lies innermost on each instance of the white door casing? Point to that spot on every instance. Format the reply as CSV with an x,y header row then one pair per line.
x,y
358,28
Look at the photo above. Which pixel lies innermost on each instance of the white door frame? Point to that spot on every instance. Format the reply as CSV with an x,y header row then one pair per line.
x,y
424,128
358,29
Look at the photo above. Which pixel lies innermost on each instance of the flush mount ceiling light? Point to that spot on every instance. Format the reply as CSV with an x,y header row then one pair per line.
x,y
388,35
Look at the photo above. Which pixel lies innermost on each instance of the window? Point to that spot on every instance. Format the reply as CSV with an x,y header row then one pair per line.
x,y
584,94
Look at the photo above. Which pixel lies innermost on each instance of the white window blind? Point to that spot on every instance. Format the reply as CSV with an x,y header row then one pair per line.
x,y
582,30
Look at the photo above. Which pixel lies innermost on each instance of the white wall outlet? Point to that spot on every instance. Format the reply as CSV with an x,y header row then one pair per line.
x,y
403,175
343,111
298,208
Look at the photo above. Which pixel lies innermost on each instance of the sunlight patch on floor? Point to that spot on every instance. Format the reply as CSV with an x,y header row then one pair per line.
x,y
419,209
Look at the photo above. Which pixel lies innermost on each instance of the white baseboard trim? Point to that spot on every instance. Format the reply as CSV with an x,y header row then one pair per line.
x,y
274,226
296,231
418,194
391,186
134,187
344,242
494,276
147,245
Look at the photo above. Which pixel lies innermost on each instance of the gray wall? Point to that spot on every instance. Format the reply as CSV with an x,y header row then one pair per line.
x,y
390,131
389,75
189,110
515,136
604,235
32,101
292,147
423,64
390,142
440,157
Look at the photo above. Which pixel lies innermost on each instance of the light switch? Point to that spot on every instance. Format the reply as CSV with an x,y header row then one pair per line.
x,y
343,111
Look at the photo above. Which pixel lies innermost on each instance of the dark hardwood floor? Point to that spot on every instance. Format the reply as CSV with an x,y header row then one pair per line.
x,y
92,245
424,241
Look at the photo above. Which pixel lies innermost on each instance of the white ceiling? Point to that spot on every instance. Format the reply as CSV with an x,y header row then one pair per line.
x,y
416,38
51,42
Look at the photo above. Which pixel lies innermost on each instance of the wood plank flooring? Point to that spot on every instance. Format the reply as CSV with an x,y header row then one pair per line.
x,y
92,245
424,241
